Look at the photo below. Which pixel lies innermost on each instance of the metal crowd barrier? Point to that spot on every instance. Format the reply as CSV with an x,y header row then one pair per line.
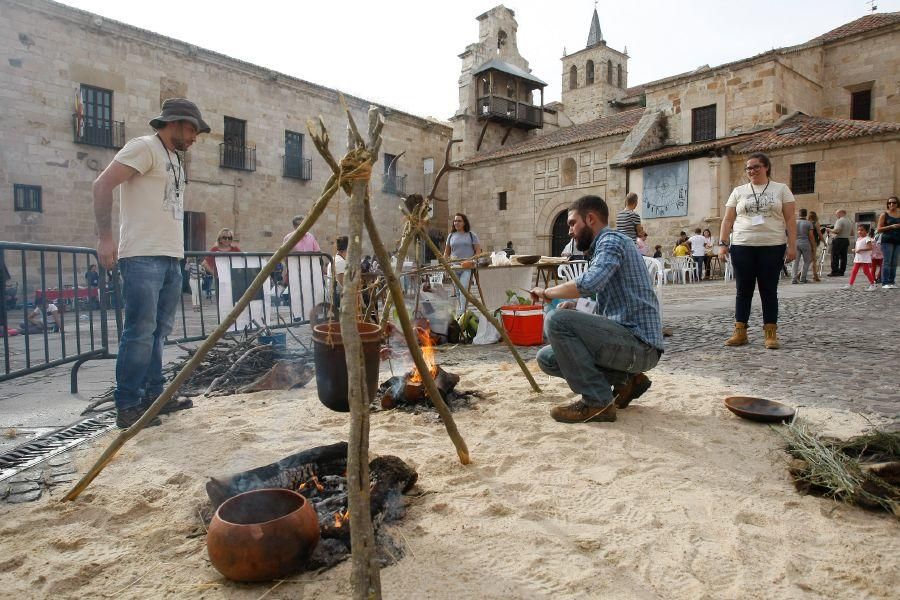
x,y
87,319
214,281
57,314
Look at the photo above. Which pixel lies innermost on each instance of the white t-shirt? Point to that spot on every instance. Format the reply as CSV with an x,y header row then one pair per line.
x,y
861,255
760,221
698,245
340,265
150,211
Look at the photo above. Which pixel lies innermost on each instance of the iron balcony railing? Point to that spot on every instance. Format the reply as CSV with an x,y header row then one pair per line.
x,y
96,132
232,156
298,168
504,109
394,184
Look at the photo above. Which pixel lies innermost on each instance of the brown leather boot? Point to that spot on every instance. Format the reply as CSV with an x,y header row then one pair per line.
x,y
739,337
631,389
771,332
579,412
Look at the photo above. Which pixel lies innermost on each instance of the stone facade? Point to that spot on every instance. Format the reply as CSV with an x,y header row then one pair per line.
x,y
51,50
591,79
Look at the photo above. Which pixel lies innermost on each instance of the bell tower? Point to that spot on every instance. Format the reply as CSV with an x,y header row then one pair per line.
x,y
592,77
499,99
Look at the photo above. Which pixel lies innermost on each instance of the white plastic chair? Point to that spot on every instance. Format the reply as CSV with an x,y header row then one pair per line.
x,y
655,271
729,269
570,270
684,268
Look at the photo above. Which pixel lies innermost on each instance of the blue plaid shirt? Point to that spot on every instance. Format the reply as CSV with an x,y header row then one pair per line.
x,y
619,278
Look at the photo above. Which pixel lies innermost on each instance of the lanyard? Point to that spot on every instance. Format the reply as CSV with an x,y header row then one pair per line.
x,y
762,194
176,172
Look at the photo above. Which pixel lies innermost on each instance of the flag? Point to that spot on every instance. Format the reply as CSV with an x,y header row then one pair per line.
x,y
79,114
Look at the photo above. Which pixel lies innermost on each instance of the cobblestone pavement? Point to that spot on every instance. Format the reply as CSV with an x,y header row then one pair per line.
x,y
839,347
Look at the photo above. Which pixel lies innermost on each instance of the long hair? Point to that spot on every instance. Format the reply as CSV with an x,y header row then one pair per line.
x,y
224,231
466,226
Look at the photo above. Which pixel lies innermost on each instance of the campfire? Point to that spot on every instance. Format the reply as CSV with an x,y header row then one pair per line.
x,y
409,389
320,474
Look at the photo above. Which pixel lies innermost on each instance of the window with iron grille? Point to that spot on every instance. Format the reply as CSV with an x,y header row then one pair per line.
x,y
703,123
803,178
294,164
27,197
861,105
501,201
233,152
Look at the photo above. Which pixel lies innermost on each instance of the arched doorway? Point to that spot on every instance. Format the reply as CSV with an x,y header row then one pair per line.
x,y
559,235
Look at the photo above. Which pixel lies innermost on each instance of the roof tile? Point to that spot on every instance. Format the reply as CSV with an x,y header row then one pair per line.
x,y
620,123
801,130
861,25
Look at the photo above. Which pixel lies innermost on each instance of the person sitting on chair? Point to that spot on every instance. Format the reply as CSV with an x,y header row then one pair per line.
x,y
602,356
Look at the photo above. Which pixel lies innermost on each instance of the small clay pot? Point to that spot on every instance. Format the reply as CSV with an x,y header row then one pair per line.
x,y
262,535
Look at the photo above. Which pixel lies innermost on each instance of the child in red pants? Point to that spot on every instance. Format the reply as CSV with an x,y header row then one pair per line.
x,y
862,257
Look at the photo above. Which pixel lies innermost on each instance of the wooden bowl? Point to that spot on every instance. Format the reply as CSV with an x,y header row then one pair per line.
x,y
528,259
759,409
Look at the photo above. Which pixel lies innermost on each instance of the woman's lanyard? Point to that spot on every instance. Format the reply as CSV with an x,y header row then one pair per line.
x,y
174,171
762,194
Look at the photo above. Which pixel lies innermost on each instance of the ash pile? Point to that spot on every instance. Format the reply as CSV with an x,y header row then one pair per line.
x,y
320,474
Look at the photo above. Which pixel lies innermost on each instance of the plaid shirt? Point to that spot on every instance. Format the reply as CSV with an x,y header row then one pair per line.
x,y
619,278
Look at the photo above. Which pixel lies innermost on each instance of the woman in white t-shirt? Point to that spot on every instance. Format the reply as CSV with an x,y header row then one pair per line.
x,y
755,233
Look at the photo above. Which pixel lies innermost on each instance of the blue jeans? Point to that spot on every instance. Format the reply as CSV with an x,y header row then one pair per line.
x,y
151,290
757,265
592,354
465,276
889,266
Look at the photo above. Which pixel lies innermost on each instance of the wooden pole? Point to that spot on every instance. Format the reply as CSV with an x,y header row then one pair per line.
x,y
318,208
484,311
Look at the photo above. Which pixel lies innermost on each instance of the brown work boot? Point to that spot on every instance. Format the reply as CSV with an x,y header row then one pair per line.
x,y
579,412
771,332
631,389
127,417
739,337
173,405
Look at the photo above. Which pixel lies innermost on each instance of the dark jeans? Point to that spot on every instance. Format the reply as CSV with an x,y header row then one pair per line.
x,y
839,249
757,265
889,266
151,290
592,354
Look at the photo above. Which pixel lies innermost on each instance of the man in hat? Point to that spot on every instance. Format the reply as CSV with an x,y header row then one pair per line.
x,y
150,172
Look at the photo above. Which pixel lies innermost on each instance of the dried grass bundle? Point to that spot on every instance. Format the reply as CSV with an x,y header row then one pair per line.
x,y
861,471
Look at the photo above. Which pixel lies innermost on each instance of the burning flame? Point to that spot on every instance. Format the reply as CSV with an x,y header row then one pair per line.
x,y
427,353
314,481
341,517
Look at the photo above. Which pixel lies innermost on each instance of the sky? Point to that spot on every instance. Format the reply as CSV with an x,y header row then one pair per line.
x,y
405,53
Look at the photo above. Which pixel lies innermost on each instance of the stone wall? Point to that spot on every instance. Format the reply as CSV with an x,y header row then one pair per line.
x,y
50,50
589,101
537,189
871,61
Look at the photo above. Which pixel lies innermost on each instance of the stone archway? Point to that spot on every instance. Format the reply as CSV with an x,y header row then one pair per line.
x,y
559,233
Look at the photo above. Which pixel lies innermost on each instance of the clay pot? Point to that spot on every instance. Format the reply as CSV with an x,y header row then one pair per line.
x,y
331,363
262,535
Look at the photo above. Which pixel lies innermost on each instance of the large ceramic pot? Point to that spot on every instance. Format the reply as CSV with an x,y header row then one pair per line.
x,y
331,363
262,535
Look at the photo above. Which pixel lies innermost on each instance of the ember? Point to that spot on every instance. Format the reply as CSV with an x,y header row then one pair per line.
x,y
320,475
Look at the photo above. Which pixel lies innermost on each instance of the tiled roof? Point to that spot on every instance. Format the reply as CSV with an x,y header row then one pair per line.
x,y
617,124
861,25
801,130
682,150
498,65
797,130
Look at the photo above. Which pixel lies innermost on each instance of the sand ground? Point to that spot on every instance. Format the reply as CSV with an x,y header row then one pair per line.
x,y
677,499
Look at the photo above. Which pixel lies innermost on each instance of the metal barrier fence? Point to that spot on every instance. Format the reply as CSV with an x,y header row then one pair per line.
x,y
60,307
54,309
214,281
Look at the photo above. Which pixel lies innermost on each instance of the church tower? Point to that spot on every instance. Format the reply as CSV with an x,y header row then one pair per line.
x,y
592,77
500,101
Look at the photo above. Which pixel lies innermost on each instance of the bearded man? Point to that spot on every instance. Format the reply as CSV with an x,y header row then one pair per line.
x,y
602,355
150,174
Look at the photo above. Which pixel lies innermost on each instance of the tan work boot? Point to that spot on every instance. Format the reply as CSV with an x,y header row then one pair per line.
x,y
579,412
771,331
739,337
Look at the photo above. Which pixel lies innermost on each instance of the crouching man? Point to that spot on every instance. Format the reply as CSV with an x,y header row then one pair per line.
x,y
602,356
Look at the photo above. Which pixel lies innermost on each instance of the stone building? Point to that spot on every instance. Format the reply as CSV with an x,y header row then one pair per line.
x,y
826,111
75,86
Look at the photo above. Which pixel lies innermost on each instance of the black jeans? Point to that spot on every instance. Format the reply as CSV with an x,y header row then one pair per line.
x,y
757,265
839,249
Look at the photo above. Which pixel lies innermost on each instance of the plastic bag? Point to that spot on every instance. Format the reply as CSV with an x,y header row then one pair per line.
x,y
487,333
